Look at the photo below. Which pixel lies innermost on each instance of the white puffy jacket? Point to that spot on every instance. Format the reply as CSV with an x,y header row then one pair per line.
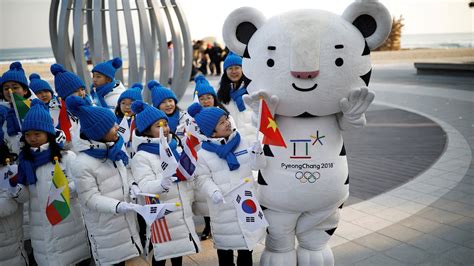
x,y
11,231
213,174
243,121
112,97
147,172
66,242
101,184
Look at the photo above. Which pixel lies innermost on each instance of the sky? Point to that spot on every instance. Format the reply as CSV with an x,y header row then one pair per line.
x,y
24,23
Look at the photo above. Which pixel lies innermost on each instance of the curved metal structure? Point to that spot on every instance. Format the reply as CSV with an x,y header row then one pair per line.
x,y
135,30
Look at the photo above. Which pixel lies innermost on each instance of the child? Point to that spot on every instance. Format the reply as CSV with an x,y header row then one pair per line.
x,y
146,167
15,80
230,92
105,90
102,183
66,242
41,88
126,99
11,211
223,163
67,84
165,100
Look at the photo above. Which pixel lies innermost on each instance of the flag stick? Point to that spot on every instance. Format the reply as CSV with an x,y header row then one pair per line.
x,y
259,117
14,107
148,195
246,180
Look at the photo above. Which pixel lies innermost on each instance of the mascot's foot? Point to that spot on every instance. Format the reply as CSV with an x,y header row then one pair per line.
x,y
322,257
278,259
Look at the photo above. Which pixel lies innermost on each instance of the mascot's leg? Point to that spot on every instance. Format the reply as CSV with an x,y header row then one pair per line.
x,y
313,232
280,241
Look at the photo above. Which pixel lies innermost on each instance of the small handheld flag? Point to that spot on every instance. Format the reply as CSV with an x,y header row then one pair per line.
x,y
248,209
168,162
8,175
64,122
124,129
269,127
159,227
58,205
188,159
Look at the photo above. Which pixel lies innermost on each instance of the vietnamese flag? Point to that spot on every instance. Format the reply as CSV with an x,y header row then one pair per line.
x,y
64,122
269,127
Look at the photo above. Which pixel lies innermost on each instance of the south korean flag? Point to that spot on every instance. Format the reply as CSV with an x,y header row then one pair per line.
x,y
248,209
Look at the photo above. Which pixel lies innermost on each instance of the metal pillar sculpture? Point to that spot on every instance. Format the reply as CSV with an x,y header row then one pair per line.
x,y
93,15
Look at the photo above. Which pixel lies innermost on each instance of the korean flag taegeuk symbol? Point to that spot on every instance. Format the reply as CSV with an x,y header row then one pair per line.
x,y
248,209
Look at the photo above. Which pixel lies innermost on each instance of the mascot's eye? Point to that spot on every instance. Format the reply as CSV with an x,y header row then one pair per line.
x,y
270,62
339,62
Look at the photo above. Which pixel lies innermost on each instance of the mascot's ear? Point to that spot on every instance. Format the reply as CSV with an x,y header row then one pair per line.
x,y
240,26
372,19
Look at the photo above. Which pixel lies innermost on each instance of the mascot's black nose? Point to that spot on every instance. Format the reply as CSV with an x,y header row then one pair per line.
x,y
305,75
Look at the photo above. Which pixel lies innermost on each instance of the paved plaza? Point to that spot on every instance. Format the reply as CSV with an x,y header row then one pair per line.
x,y
412,175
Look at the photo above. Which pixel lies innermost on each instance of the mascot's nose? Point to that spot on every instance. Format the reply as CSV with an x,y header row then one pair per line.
x,y
304,75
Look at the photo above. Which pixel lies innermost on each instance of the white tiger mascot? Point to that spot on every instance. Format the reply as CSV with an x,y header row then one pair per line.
x,y
313,68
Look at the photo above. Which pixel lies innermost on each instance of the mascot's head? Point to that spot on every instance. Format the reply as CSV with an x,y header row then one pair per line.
x,y
310,59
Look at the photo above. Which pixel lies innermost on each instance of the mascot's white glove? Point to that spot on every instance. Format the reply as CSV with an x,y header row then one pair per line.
x,y
217,197
354,107
134,191
167,182
15,191
125,207
253,101
256,153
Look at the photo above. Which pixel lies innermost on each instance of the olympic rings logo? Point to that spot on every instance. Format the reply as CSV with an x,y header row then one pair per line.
x,y
305,177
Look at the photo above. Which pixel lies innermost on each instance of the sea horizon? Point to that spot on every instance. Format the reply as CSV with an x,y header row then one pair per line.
x,y
408,41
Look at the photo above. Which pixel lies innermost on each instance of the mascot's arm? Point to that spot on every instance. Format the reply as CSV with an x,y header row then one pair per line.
x,y
253,100
258,160
203,180
354,107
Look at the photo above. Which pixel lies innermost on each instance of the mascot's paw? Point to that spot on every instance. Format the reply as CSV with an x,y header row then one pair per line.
x,y
254,101
278,259
322,257
357,103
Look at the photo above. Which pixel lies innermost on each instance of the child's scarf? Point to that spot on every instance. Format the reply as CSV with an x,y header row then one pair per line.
x,y
27,169
154,148
13,126
225,151
173,121
115,153
100,92
236,95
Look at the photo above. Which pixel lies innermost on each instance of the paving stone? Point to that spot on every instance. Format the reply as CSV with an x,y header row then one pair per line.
x,y
453,234
407,254
421,224
432,244
439,215
350,253
377,242
400,232
462,255
380,259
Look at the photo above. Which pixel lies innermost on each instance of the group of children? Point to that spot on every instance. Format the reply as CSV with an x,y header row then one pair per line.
x,y
106,173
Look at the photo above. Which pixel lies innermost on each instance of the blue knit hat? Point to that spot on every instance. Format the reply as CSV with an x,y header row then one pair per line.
x,y
160,93
134,93
146,115
3,117
65,82
206,117
95,121
38,118
16,74
37,84
232,60
108,68
203,86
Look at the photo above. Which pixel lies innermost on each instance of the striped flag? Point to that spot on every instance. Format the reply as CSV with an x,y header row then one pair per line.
x,y
187,159
57,208
159,229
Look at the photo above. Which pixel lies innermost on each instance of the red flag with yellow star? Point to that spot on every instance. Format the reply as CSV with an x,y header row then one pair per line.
x,y
269,127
